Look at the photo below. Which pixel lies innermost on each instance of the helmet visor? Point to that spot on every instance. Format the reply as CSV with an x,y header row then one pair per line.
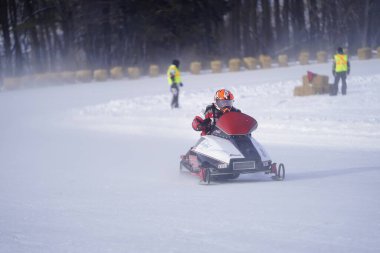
x,y
221,103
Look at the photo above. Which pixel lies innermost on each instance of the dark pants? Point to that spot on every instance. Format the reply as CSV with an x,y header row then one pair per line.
x,y
175,91
335,88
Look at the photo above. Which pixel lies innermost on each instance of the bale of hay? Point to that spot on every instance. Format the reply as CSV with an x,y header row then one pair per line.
x,y
195,68
320,80
305,80
216,66
304,90
117,73
326,89
56,78
44,79
134,72
67,77
27,81
330,89
38,80
321,57
84,76
308,90
319,84
298,91
250,63
282,60
100,75
154,70
265,61
319,89
234,64
12,83
303,58
364,53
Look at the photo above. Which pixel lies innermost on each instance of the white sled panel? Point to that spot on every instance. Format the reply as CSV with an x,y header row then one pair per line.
x,y
217,148
260,149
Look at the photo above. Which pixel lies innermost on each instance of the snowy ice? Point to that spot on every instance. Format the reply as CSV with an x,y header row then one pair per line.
x,y
95,167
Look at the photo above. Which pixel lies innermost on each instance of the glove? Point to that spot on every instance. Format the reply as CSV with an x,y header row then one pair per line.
x,y
199,124
181,84
196,124
333,73
206,123
348,72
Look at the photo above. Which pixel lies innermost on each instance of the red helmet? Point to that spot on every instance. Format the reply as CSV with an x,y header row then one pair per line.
x,y
224,100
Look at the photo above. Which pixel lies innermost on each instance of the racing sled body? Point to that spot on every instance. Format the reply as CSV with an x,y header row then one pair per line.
x,y
230,150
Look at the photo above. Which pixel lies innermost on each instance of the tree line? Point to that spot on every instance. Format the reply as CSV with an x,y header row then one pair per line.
x,y
38,36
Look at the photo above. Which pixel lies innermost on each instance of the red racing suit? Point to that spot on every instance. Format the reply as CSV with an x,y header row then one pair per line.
x,y
211,116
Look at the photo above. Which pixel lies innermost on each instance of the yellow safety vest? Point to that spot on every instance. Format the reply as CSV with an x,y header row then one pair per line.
x,y
341,62
177,75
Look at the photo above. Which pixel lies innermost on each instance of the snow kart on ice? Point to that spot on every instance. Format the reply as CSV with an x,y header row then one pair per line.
x,y
229,150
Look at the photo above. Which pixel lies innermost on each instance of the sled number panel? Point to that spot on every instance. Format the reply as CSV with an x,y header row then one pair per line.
x,y
249,165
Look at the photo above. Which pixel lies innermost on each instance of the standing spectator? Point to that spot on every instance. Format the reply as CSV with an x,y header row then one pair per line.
x,y
341,69
174,80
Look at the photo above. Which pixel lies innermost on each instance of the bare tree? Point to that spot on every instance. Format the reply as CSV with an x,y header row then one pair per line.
x,y
49,35
4,22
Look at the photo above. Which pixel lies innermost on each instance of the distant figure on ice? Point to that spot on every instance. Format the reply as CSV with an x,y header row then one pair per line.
x,y
174,80
223,103
341,69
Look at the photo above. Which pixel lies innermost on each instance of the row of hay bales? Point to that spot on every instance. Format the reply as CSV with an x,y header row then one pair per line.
x,y
366,53
265,61
234,64
303,58
81,76
118,73
318,85
321,56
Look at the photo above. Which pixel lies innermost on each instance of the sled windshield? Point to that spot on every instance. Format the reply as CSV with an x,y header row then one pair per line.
x,y
236,123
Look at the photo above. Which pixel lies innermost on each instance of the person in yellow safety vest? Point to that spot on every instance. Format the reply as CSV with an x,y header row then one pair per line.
x,y
174,80
341,69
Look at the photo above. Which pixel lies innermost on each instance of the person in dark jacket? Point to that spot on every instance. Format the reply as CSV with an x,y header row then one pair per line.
x,y
223,103
341,69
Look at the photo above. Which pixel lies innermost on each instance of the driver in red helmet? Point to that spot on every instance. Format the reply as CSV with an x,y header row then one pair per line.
x,y
223,103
